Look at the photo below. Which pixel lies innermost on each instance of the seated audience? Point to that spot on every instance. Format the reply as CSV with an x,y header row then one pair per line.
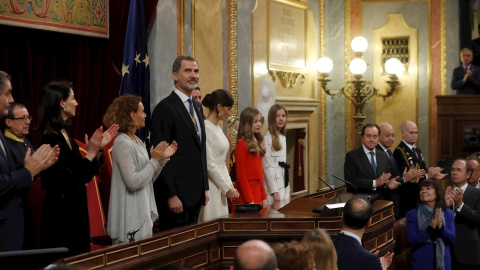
x,y
294,256
357,217
322,248
132,203
253,255
430,229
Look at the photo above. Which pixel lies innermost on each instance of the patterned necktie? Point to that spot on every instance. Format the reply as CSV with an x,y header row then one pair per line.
x,y
192,115
374,165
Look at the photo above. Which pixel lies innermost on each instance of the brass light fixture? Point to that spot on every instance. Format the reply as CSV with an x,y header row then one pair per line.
x,y
359,91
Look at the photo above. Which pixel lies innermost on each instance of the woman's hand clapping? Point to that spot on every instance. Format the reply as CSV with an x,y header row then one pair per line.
x,y
163,150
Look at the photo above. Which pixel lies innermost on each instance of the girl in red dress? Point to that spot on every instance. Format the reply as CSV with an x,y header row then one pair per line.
x,y
248,159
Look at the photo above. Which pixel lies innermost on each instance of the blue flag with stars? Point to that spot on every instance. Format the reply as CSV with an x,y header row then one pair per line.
x,y
135,66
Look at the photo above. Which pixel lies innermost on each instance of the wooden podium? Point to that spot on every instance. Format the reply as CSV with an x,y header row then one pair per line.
x,y
212,244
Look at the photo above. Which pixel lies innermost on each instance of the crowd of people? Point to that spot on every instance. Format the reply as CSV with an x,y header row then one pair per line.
x,y
442,225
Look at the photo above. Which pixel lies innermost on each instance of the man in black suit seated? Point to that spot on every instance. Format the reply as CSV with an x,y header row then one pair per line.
x,y
407,156
356,218
466,77
254,254
181,188
367,168
385,142
465,202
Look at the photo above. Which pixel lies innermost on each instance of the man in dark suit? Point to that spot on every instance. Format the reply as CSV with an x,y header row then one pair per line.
x,y
465,201
466,77
368,169
14,182
181,188
407,156
357,217
385,142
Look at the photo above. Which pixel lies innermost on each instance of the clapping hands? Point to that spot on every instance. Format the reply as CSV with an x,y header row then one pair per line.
x,y
163,150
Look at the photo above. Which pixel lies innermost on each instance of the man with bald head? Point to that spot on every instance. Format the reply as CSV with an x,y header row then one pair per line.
x,y
254,254
475,163
407,156
385,142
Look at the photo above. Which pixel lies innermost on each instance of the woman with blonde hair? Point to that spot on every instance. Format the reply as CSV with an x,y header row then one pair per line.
x,y
248,159
132,202
274,161
322,248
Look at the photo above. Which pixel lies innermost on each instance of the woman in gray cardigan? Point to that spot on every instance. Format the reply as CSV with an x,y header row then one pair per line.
x,y
132,203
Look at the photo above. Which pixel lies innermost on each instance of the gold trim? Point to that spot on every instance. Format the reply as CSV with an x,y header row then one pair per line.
x,y
234,63
246,222
348,103
223,249
124,258
152,242
185,232
218,229
104,256
199,253
443,54
182,25
285,222
323,97
193,29
287,79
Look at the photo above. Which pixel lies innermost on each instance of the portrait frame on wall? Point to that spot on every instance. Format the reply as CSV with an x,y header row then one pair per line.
x,y
287,36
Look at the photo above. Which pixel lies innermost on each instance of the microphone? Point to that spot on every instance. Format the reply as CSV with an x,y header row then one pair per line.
x,y
345,181
336,195
131,235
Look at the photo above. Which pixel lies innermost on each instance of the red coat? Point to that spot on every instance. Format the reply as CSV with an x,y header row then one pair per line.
x,y
250,177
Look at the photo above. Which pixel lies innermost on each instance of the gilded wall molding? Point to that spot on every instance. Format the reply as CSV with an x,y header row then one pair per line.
x,y
233,62
323,97
287,79
348,104
443,58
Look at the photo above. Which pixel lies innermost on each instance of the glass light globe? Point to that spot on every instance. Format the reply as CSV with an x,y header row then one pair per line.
x,y
358,66
394,66
324,65
359,44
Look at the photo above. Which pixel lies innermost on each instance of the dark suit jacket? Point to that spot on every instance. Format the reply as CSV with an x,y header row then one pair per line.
x,y
351,255
359,171
467,228
469,87
185,175
406,158
393,195
65,220
13,184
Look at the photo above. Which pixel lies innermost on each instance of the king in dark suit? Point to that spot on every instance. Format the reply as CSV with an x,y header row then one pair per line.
x,y
367,168
181,188
356,218
465,201
466,77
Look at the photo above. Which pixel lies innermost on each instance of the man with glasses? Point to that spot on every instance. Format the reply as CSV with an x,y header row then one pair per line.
x,y
17,125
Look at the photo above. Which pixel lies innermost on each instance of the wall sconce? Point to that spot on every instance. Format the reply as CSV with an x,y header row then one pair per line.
x,y
359,91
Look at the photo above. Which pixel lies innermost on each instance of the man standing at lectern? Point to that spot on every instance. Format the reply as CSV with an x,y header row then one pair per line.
x,y
466,77
367,168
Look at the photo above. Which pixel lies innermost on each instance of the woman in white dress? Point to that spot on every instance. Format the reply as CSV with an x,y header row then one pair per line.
x,y
132,203
275,159
219,104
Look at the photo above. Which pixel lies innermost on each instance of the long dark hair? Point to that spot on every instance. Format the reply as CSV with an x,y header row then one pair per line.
x,y
52,94
219,96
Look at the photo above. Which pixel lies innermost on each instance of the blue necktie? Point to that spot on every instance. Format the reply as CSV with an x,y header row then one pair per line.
x,y
374,165
190,106
392,160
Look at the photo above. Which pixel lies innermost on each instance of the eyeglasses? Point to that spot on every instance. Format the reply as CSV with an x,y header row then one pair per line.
x,y
24,119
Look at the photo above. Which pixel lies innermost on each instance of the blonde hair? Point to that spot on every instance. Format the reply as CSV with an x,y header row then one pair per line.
x,y
245,132
272,126
322,248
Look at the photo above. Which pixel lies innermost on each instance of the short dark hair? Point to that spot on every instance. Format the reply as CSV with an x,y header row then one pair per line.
x,y
357,216
219,96
370,125
12,107
473,157
468,166
4,77
178,62
439,201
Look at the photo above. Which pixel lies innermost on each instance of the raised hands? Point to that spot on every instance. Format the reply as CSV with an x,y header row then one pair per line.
x,y
413,173
435,173
382,180
448,197
99,140
393,184
386,260
109,135
163,150
436,222
42,159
